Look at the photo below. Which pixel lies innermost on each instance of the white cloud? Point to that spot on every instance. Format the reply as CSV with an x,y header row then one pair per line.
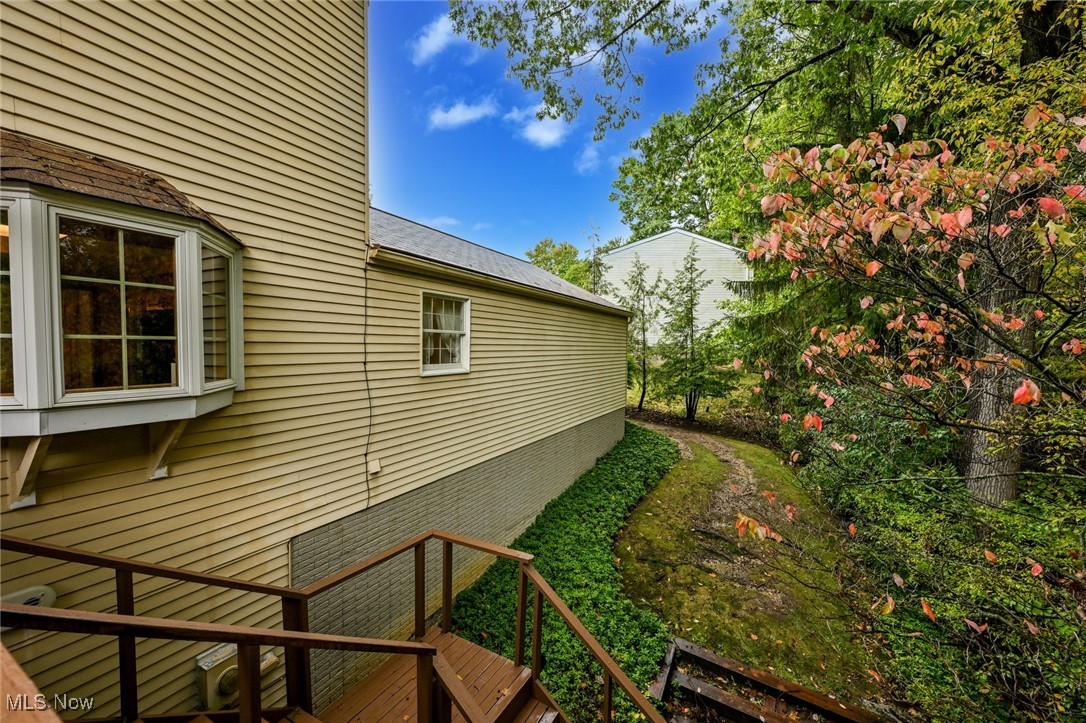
x,y
434,38
545,133
482,226
461,114
441,222
519,115
588,161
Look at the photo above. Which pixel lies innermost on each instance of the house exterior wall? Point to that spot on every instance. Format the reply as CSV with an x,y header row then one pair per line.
x,y
665,253
494,500
257,111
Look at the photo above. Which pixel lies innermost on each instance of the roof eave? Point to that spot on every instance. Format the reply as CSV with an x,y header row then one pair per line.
x,y
382,255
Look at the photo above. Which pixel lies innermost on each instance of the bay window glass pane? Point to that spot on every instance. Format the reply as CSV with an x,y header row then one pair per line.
x,y
89,307
7,372
118,307
5,258
90,250
93,364
216,297
151,363
148,258
150,311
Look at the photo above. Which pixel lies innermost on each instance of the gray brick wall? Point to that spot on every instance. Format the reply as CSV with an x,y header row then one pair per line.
x,y
493,501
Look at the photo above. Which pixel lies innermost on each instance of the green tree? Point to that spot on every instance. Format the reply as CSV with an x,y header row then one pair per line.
x,y
563,260
642,297
693,364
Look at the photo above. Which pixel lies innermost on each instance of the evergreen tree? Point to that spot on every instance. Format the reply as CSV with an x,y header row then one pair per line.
x,y
692,365
643,299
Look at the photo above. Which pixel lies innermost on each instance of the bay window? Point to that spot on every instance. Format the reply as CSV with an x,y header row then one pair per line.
x,y
113,315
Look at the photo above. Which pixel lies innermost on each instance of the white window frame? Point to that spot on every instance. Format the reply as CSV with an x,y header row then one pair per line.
x,y
435,370
40,404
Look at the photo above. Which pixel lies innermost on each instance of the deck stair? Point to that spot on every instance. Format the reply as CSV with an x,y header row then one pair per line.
x,y
437,677
779,700
503,690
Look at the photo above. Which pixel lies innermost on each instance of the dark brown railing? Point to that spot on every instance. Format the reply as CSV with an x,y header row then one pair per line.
x,y
439,689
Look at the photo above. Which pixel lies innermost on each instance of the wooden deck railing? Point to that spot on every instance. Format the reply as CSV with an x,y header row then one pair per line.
x,y
248,641
439,687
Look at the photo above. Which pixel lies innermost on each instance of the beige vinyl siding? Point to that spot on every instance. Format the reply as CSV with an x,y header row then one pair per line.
x,y
665,254
256,111
537,367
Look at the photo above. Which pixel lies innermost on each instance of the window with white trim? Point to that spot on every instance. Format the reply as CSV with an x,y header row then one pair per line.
x,y
107,305
446,334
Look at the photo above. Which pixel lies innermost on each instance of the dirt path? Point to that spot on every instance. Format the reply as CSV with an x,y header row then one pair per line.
x,y
774,604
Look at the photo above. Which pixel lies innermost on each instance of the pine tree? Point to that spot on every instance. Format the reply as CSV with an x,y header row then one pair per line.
x,y
643,299
693,365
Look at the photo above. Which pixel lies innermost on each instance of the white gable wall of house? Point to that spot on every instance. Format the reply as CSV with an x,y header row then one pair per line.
x,y
665,252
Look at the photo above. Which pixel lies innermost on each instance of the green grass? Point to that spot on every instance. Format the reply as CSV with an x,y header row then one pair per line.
x,y
759,601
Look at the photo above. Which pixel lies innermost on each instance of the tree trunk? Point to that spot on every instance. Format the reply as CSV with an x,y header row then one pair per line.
x,y
644,379
991,459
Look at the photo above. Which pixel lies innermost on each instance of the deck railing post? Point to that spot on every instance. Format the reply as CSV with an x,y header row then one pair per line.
x,y
537,633
424,694
126,649
607,697
420,590
522,612
443,705
446,587
299,683
248,683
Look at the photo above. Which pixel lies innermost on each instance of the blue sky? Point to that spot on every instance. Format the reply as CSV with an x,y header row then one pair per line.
x,y
456,145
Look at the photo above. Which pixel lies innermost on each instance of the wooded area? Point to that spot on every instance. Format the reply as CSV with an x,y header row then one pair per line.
x,y
909,181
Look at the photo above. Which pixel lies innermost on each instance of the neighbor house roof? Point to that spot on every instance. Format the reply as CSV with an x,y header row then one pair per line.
x,y
397,234
35,161
674,229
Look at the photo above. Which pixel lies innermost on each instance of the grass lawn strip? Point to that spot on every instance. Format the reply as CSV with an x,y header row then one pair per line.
x,y
773,605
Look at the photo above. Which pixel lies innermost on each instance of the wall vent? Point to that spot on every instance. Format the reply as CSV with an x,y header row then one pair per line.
x,y
37,595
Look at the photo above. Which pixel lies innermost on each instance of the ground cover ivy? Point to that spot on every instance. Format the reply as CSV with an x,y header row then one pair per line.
x,y
572,541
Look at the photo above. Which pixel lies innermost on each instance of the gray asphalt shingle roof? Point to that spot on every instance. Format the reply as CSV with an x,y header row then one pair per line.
x,y
411,238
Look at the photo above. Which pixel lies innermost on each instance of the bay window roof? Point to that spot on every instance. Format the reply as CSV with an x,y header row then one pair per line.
x,y
31,160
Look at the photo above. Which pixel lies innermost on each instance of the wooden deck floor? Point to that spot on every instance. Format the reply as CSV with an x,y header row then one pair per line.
x,y
388,694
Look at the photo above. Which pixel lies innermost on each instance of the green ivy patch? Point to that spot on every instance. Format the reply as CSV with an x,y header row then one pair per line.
x,y
572,540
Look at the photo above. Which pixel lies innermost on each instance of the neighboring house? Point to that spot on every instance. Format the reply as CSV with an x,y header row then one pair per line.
x,y
218,357
664,253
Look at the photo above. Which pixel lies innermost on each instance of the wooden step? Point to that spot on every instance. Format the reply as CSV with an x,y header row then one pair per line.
x,y
300,716
537,711
512,698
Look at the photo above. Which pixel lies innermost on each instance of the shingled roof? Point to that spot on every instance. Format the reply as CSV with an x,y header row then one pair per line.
x,y
408,237
45,164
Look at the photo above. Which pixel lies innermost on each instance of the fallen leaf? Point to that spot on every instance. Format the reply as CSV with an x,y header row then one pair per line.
x,y
990,556
898,581
978,628
851,529
753,636
927,609
1033,629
